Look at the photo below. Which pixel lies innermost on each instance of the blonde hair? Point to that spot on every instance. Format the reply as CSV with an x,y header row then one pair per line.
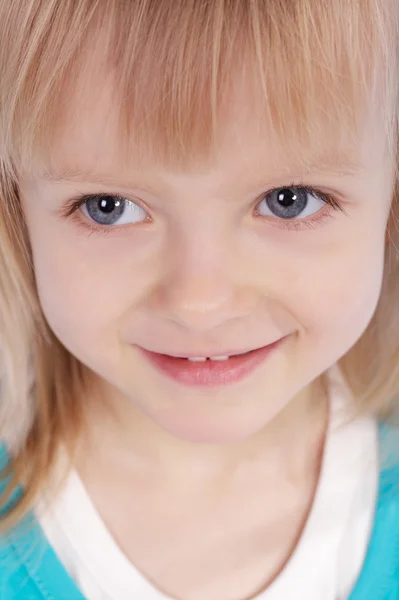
x,y
172,63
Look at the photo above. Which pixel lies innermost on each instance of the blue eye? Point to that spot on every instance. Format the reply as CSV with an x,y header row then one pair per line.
x,y
108,209
291,203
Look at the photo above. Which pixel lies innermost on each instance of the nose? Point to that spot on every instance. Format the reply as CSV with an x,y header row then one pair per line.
x,y
202,291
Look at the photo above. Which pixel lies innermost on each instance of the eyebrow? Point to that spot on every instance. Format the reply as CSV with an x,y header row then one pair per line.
x,y
338,166
78,175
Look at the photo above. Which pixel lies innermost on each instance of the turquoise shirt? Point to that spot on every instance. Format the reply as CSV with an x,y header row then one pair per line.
x,y
30,569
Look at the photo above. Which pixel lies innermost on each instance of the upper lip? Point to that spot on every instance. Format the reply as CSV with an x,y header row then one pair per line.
x,y
213,352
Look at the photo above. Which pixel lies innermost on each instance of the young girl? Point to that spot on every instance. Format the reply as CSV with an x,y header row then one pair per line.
x,y
198,299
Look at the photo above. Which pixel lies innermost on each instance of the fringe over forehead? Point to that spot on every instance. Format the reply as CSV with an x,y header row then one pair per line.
x,y
310,64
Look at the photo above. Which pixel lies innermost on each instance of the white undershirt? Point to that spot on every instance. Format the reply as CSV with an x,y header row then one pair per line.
x,y
324,565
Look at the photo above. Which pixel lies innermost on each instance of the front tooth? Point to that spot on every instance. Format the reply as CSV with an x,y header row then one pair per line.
x,y
197,358
219,358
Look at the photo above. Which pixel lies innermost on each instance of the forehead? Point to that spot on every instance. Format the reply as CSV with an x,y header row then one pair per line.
x,y
88,142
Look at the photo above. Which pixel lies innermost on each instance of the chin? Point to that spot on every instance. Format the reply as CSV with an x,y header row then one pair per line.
x,y
209,431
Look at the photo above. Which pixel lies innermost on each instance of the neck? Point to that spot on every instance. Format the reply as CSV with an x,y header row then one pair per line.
x,y
128,440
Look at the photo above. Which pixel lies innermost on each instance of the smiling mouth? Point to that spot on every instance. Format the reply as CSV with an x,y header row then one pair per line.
x,y
221,357
210,371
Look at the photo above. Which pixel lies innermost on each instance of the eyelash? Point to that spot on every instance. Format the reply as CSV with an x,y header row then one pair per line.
x,y
331,205
319,218
71,209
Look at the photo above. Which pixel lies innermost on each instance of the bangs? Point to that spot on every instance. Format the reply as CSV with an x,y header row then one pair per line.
x,y
308,66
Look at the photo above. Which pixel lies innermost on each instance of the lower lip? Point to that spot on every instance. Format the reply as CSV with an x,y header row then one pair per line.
x,y
210,373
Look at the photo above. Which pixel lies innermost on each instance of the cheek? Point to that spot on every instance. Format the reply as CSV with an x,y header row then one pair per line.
x,y
340,294
84,295
73,299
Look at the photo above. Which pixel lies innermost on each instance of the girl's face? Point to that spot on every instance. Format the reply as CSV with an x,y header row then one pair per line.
x,y
220,259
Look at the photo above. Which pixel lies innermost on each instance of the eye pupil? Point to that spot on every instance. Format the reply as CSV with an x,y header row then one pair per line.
x,y
287,197
108,205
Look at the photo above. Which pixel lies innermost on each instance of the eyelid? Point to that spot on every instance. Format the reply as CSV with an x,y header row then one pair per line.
x,y
331,204
327,197
73,204
319,218
70,211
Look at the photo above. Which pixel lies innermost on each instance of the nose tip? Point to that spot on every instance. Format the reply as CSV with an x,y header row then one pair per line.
x,y
201,318
205,302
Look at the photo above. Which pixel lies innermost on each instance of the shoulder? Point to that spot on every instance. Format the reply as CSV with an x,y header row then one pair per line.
x,y
29,566
15,581
10,568
379,578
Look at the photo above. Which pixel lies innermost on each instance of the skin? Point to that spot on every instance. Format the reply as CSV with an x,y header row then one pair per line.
x,y
206,272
